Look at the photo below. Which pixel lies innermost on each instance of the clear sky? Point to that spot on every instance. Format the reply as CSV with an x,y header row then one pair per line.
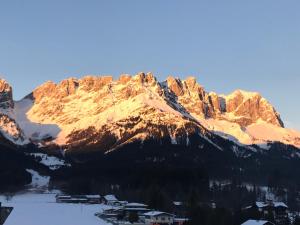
x,y
252,45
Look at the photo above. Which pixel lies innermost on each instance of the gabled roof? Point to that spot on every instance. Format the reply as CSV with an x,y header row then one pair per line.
x,y
256,222
157,213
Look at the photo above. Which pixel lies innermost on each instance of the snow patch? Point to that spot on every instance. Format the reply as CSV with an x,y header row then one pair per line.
x,y
38,181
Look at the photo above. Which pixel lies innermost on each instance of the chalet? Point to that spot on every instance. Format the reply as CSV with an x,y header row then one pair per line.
x,y
257,222
109,200
158,218
4,213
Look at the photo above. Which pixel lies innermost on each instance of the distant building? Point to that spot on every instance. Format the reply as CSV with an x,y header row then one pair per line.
x,y
90,199
96,199
180,221
109,200
179,209
4,213
257,222
278,210
158,218
137,208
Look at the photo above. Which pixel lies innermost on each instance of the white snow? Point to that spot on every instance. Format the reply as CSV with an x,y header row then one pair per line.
x,y
155,213
41,209
135,205
110,198
38,181
32,129
259,133
255,222
51,161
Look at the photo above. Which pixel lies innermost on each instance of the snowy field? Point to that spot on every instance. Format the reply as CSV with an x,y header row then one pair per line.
x,y
41,209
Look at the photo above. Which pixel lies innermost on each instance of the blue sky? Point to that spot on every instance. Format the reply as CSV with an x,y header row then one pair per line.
x,y
252,45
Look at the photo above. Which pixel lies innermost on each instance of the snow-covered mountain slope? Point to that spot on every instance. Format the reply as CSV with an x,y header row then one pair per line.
x,y
100,111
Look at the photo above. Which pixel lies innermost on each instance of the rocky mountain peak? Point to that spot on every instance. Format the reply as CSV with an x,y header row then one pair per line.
x,y
191,82
253,107
100,102
6,95
124,78
175,86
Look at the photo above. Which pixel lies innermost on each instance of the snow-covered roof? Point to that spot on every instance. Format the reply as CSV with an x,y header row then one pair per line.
x,y
264,204
261,204
280,204
178,203
256,222
110,198
93,196
137,205
137,209
157,213
181,219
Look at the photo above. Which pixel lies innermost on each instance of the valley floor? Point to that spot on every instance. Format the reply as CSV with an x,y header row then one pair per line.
x,y
37,209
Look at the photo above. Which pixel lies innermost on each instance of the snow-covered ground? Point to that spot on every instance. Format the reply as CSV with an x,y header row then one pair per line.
x,y
41,209
38,181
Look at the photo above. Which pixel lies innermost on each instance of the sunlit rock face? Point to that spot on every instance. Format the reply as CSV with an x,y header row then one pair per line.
x,y
108,113
240,107
9,128
6,97
250,107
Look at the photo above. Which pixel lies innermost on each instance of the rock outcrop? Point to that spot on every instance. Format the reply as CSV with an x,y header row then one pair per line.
x,y
6,95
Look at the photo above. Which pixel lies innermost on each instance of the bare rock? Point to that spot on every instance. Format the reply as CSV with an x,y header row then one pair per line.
x,y
6,96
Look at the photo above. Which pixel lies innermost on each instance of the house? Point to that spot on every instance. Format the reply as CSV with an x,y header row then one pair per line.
x,y
257,222
111,213
158,218
62,198
180,221
4,213
71,199
278,210
262,207
137,208
109,200
91,199
281,213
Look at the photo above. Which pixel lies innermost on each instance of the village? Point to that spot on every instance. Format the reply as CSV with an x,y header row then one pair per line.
x,y
108,209
121,212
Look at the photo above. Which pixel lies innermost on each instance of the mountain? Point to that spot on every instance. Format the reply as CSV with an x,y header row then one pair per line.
x,y
102,114
95,128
